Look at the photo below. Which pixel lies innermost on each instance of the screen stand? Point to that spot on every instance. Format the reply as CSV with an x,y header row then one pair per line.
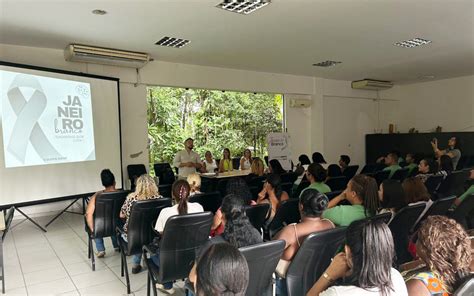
x,y
66,210
29,219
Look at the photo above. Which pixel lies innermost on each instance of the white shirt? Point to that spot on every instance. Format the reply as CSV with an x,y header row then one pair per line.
x,y
211,167
182,157
398,285
166,213
246,165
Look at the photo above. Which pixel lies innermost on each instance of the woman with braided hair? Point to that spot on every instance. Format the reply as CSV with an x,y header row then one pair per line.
x,y
362,194
180,191
445,248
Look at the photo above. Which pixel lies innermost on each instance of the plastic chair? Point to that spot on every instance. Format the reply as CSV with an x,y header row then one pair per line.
x,y
257,215
350,171
453,184
210,201
287,213
466,289
432,183
463,211
400,174
134,171
381,176
439,207
337,183
164,172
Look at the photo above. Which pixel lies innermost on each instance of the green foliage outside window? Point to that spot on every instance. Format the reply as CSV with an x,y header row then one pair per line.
x,y
214,119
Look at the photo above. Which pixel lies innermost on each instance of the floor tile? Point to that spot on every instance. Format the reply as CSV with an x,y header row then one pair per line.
x,y
52,288
46,275
93,278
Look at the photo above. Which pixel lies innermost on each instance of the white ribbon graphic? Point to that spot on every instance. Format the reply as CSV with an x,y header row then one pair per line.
x,y
26,128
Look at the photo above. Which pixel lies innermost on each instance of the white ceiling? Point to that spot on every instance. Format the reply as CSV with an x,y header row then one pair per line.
x,y
287,36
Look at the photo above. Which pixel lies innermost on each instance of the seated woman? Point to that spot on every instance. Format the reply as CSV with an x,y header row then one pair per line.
x,y
194,181
180,191
257,168
445,165
225,165
468,192
445,248
222,270
209,164
318,158
365,267
246,160
334,171
145,189
238,187
427,167
301,167
274,167
391,196
273,194
362,194
316,176
416,193
311,206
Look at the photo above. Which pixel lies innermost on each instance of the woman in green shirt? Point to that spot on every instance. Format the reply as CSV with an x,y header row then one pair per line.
x,y
469,191
225,165
316,175
362,194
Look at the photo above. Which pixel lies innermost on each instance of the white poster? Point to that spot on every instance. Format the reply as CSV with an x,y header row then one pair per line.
x,y
45,120
279,148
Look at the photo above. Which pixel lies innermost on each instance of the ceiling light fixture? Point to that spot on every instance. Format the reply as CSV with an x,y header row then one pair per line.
x,y
172,42
242,6
327,64
412,42
99,11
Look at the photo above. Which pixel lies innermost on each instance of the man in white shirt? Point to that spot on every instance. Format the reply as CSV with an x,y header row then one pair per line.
x,y
187,161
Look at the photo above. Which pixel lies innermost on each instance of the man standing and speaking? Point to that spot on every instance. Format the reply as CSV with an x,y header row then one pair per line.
x,y
187,161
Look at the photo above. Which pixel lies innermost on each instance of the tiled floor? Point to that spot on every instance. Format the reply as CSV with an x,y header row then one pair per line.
x,y
56,263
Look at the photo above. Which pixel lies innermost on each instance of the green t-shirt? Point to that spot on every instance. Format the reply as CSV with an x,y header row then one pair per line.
x,y
411,167
345,215
393,168
319,186
467,193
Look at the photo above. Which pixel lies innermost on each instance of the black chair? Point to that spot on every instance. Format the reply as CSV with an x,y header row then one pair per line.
x,y
312,259
304,183
140,230
453,184
287,187
236,163
464,211
350,171
257,215
8,221
400,174
210,201
384,217
369,168
287,213
400,226
439,207
222,186
337,183
432,183
177,252
466,288
257,182
289,177
106,218
165,190
262,260
164,172
381,176
333,194
134,171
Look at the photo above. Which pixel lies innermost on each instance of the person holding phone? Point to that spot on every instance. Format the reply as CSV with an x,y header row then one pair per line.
x,y
452,151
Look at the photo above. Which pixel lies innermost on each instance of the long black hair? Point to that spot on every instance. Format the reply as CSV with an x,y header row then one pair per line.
x,y
276,167
239,187
393,195
372,249
446,164
275,181
304,159
238,230
367,190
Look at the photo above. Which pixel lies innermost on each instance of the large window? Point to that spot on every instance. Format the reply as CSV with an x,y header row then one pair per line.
x,y
214,118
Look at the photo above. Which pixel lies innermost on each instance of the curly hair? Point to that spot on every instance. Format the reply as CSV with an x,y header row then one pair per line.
x,y
146,188
238,186
446,249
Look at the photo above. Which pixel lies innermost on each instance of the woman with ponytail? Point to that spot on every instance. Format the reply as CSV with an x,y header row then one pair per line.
x,y
362,194
180,191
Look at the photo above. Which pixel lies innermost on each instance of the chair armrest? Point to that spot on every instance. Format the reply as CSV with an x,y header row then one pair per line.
x,y
119,231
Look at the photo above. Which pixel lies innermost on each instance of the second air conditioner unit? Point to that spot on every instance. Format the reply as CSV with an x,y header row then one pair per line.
x,y
106,56
372,84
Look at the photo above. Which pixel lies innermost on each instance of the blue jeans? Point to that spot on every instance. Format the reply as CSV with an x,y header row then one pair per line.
x,y
156,261
280,287
99,243
136,259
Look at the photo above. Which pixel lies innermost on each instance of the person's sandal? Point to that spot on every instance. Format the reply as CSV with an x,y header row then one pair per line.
x,y
136,269
101,254
167,291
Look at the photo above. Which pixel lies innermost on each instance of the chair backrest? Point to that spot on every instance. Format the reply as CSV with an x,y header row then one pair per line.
x,y
453,184
400,174
337,183
257,182
333,194
262,260
107,211
140,224
465,209
165,190
287,213
303,184
134,171
164,172
182,236
257,215
8,221
210,201
432,183
400,226
312,259
289,177
380,176
222,186
439,207
466,289
384,217
287,187
369,168
350,171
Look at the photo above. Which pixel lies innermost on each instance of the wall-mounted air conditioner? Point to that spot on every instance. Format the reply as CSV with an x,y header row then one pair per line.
x,y
372,84
106,56
300,103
